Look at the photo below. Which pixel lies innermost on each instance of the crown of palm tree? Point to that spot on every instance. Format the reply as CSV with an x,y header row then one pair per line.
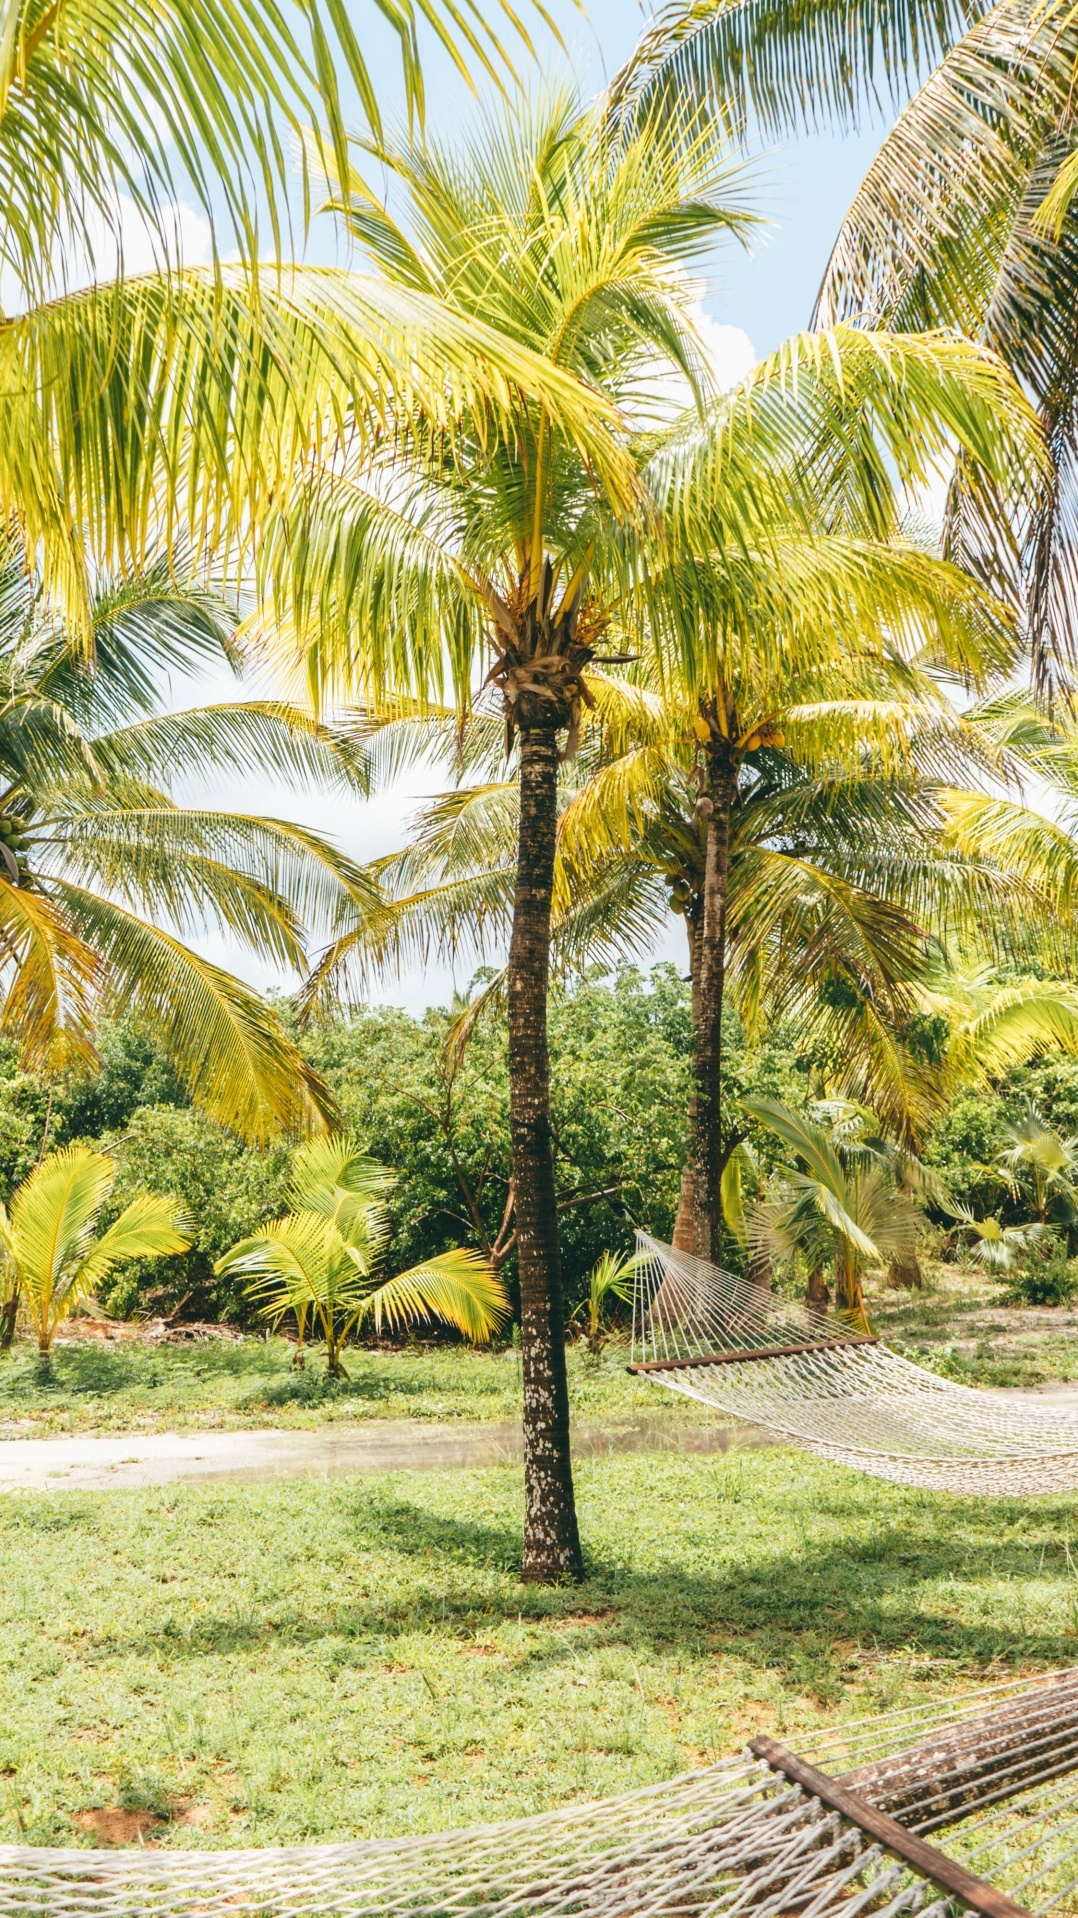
x,y
99,859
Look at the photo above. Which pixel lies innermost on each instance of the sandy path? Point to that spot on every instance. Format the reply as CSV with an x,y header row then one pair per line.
x,y
379,1445
165,1458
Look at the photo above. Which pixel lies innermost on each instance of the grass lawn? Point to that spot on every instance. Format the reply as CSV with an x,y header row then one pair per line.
x,y
957,1325
313,1661
248,1383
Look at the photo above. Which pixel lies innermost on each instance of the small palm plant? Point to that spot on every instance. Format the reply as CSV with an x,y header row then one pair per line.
x,y
999,1248
322,1261
52,1261
848,1198
1040,1158
612,1278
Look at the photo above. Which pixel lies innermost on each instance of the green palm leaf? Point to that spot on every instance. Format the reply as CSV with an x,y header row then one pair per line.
x,y
55,1260
784,67
223,1040
457,1287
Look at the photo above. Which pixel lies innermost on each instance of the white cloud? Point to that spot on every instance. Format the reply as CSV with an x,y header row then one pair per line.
x,y
134,243
729,349
662,393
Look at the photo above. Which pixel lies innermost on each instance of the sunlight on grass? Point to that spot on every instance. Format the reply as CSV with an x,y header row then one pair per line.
x,y
316,1661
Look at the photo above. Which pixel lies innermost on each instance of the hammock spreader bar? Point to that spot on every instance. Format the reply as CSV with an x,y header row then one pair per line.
x,y
975,1893
745,1358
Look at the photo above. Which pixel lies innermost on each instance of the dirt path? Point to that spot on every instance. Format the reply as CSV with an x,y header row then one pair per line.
x,y
165,1458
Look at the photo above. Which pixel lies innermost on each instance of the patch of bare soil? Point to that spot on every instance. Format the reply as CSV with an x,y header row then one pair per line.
x,y
82,1331
112,1825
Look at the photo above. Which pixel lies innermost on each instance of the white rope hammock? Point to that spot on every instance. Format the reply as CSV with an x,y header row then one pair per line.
x,y
764,1835
731,1344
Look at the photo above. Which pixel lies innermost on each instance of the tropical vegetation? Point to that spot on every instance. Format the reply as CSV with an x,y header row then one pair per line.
x,y
322,1261
485,495
51,1262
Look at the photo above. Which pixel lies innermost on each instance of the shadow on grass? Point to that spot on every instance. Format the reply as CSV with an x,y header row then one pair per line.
x,y
108,1371
790,1609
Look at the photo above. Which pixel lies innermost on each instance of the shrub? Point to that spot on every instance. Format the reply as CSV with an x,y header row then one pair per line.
x,y
1047,1275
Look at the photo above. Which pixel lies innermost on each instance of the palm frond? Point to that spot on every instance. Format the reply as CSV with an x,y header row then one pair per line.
x,y
225,1042
457,1287
148,1227
784,68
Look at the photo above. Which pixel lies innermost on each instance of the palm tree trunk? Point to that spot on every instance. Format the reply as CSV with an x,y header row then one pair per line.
x,y
551,1538
707,1143
684,1238
817,1296
851,1296
9,1314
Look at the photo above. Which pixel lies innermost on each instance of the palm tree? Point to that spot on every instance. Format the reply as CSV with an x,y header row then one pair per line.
x,y
572,243
322,1261
609,1279
1039,1156
98,860
842,583
842,1199
997,1247
515,564
51,1260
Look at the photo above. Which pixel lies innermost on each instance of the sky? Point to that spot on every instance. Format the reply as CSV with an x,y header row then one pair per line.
x,y
753,299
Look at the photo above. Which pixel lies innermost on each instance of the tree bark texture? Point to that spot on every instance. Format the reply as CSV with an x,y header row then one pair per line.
x,y
551,1538
684,1236
707,1148
9,1313
817,1294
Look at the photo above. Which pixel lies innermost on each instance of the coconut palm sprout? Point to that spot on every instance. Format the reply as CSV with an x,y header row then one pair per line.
x,y
51,1262
323,1262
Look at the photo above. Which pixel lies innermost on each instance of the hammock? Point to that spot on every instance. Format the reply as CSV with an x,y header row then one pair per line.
x,y
849,1823
731,1344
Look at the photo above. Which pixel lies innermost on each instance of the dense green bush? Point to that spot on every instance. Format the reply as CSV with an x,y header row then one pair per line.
x,y
228,1188
1048,1275
620,1060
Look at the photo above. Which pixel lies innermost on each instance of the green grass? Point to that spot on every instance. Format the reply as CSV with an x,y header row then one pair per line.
x,y
250,1382
317,1661
957,1325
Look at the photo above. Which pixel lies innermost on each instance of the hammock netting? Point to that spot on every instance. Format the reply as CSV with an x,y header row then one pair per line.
x,y
815,1382
991,1771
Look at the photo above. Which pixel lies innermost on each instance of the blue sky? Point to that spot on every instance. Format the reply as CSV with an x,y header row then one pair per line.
x,y
801,189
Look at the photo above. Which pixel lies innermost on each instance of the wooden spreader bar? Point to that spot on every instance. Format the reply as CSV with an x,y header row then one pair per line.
x,y
741,1358
976,1893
